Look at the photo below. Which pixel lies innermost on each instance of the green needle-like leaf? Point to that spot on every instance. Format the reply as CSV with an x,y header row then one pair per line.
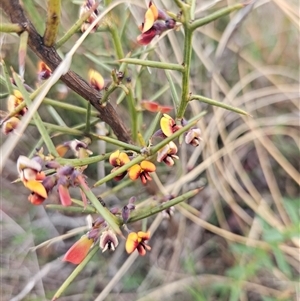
x,y
153,64
139,214
219,104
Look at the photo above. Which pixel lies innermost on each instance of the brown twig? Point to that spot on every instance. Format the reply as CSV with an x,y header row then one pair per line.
x,y
50,57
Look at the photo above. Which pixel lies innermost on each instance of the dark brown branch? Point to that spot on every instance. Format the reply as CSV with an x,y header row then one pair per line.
x,y
49,56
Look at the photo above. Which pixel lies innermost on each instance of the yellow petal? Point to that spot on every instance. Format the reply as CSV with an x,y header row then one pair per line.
x,y
96,79
131,242
166,124
124,158
36,187
149,20
148,166
144,235
154,10
113,157
134,172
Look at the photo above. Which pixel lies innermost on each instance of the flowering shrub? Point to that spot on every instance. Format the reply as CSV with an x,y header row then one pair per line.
x,y
143,135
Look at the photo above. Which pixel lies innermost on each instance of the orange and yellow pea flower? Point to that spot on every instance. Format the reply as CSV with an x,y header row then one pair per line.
x,y
137,241
118,159
30,174
96,80
141,171
168,125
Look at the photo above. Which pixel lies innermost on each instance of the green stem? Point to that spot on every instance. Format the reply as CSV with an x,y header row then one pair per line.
x,y
62,129
68,107
133,115
111,220
175,97
75,27
52,23
76,272
105,96
130,97
71,209
9,27
116,40
185,83
88,117
8,83
36,117
120,170
34,16
153,64
117,142
82,162
218,104
139,214
216,15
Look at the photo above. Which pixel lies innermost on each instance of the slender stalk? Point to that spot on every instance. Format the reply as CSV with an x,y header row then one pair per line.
x,y
216,15
218,104
185,83
175,97
139,214
75,27
133,115
34,16
122,144
71,209
68,107
84,161
116,40
8,83
105,96
152,127
130,97
3,95
76,272
111,220
52,23
154,64
88,117
62,129
36,117
9,27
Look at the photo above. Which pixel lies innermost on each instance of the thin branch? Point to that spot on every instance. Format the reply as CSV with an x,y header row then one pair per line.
x,y
50,57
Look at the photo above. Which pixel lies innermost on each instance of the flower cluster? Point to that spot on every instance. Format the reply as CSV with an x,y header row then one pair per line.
x,y
13,101
155,23
101,233
64,177
168,126
118,159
